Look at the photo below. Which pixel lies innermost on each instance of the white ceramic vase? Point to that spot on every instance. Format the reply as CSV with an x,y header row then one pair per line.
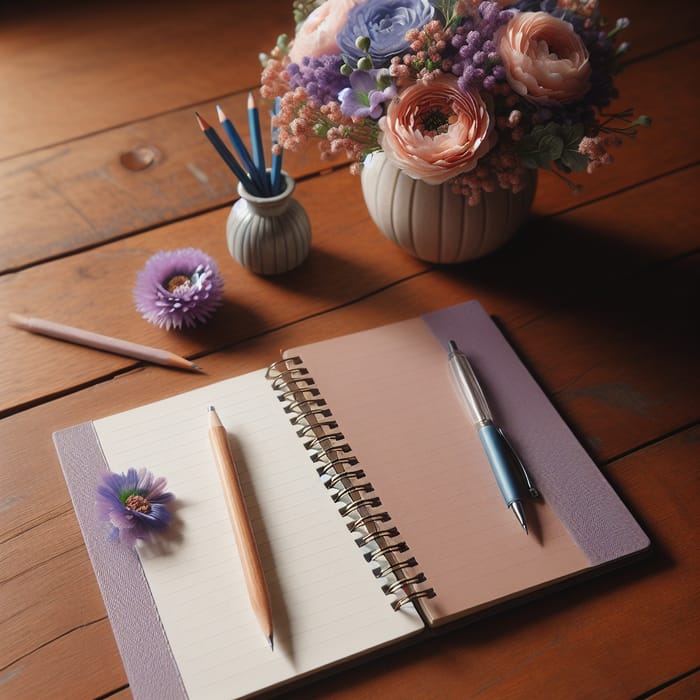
x,y
433,223
268,235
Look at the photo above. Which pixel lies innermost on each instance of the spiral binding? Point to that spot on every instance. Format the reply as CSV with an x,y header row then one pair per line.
x,y
349,488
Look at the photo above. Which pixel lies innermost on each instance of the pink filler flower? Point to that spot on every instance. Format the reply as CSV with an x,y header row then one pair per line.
x,y
434,131
544,58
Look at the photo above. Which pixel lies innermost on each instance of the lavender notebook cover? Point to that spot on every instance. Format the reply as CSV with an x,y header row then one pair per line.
x,y
585,502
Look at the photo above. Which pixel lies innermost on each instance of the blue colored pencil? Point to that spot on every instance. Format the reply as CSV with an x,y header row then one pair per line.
x,y
256,138
276,170
240,148
227,156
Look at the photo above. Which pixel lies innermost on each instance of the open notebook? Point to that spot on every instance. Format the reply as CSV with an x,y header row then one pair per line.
x,y
387,528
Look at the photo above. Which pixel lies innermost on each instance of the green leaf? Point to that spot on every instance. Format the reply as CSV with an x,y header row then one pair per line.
x,y
571,159
551,147
529,152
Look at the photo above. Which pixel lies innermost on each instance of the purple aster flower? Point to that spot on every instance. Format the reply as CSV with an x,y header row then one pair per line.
x,y
178,287
368,92
384,23
134,503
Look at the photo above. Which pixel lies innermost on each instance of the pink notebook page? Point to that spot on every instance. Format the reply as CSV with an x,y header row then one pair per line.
x,y
390,391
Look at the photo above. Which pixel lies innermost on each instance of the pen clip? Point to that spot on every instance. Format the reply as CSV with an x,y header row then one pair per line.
x,y
534,493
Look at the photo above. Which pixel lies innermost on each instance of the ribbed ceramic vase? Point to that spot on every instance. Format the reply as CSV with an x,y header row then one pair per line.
x,y
269,235
433,223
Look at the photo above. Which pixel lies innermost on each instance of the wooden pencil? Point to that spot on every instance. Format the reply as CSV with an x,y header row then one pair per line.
x,y
242,528
256,139
78,336
226,155
240,148
276,168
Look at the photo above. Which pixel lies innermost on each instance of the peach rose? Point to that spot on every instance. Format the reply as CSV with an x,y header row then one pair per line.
x,y
434,131
316,36
544,58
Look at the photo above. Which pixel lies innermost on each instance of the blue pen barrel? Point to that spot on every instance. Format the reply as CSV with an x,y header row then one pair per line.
x,y
498,454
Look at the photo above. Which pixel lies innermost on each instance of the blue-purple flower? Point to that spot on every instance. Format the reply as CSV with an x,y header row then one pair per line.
x,y
135,505
178,287
384,23
368,92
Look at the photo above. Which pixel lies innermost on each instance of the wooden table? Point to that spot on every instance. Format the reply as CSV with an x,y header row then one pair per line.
x,y
599,295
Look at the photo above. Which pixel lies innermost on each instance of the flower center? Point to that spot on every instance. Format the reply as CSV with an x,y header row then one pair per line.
x,y
138,503
434,121
177,281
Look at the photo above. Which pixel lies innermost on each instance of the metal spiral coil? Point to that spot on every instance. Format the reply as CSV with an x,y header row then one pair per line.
x,y
329,450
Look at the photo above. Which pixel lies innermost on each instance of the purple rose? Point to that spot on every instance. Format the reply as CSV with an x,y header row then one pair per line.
x,y
385,23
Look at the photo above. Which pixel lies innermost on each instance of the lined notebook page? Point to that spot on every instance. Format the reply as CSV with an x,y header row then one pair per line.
x,y
326,603
410,433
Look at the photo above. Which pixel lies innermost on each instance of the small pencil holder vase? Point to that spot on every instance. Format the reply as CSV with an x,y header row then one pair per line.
x,y
269,235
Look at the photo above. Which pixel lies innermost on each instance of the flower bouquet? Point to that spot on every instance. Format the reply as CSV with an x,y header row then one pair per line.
x,y
474,94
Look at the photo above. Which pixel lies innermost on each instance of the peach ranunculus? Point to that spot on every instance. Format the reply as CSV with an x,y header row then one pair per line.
x,y
434,131
544,58
316,36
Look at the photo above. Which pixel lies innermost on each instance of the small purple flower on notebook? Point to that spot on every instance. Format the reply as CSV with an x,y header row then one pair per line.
x,y
178,287
134,504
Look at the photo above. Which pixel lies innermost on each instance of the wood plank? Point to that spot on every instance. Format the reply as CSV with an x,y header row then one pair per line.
x,y
84,660
653,29
65,197
349,259
119,62
79,194
688,687
344,264
62,575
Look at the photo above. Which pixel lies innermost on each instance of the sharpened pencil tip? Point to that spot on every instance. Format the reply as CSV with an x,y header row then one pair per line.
x,y
210,407
221,113
202,123
251,101
16,320
271,643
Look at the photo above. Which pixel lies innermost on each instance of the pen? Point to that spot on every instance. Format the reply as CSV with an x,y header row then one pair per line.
x,y
500,454
242,529
78,336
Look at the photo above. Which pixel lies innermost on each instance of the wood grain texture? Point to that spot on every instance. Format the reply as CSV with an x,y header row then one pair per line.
x,y
79,194
73,195
596,294
344,264
349,260
686,687
122,62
